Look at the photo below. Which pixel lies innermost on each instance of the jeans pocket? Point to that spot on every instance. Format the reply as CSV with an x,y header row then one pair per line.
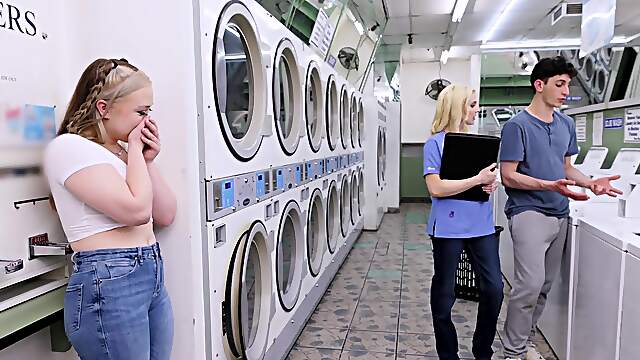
x,y
72,308
118,269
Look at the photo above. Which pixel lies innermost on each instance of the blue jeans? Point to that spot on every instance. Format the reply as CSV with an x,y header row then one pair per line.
x,y
116,305
483,252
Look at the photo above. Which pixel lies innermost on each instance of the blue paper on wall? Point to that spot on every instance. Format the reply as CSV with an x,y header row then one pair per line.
x,y
25,125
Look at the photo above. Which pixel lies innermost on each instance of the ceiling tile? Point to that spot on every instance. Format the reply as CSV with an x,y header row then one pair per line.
x,y
430,23
397,8
432,7
397,26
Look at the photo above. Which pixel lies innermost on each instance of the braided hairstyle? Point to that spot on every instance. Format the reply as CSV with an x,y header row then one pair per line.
x,y
103,79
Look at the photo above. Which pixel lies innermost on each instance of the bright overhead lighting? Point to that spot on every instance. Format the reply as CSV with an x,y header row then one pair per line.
x,y
498,21
444,57
545,44
458,10
359,27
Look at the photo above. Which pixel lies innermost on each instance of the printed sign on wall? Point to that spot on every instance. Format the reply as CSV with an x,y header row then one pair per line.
x,y
581,128
632,126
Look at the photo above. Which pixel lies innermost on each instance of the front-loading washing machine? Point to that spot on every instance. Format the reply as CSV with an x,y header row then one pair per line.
x,y
374,162
241,283
332,114
289,260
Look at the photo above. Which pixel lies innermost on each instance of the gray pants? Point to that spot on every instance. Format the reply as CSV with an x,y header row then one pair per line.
x,y
538,245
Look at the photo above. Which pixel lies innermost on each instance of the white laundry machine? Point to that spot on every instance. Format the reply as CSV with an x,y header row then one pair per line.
x,y
289,257
625,164
332,196
314,95
345,205
254,72
593,160
374,161
241,285
354,120
629,345
360,123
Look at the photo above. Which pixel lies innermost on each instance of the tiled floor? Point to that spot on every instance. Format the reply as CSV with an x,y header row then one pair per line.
x,y
377,306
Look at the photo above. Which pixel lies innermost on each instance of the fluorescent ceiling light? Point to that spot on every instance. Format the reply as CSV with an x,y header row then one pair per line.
x,y
444,57
498,21
546,44
458,10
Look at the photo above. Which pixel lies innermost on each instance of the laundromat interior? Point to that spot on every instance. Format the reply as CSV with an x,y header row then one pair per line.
x,y
293,136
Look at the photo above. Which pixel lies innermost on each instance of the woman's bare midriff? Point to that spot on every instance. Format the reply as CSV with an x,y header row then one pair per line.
x,y
123,237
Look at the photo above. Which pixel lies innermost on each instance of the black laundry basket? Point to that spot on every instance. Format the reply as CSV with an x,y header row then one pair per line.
x,y
466,284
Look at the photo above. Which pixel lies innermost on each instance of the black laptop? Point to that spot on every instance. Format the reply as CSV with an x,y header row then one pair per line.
x,y
464,155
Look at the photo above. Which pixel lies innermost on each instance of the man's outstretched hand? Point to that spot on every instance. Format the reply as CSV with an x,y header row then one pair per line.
x,y
602,186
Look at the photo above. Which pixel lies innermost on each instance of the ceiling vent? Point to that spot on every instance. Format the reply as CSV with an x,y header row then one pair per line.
x,y
566,10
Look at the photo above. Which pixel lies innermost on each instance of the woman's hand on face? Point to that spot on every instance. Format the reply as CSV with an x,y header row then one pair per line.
x,y
490,188
151,139
134,139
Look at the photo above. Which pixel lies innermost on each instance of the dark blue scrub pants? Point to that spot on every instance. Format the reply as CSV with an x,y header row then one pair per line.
x,y
483,252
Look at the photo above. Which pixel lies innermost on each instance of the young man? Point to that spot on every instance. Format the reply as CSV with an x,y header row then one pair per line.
x,y
535,159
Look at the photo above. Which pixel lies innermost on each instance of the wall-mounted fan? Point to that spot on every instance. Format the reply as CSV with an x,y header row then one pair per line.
x,y
349,59
435,88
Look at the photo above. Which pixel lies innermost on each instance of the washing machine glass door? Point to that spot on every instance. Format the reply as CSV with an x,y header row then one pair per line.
x,y
314,107
354,198
379,154
354,121
247,309
238,76
290,256
384,155
360,192
333,217
332,113
344,117
345,205
287,97
316,233
360,122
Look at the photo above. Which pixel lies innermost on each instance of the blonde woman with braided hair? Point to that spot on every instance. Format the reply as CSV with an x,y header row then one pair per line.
x,y
108,198
455,225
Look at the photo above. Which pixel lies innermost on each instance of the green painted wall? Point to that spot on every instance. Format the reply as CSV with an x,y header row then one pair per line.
x,y
611,138
412,183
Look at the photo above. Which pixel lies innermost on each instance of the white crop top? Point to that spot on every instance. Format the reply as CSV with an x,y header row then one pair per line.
x,y
64,156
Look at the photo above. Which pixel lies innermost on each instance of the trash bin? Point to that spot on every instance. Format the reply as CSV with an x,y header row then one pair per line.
x,y
466,284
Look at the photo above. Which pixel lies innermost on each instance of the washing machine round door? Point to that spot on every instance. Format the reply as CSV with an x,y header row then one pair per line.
x,y
287,97
589,67
345,205
247,308
360,122
332,113
379,154
600,82
354,197
354,121
344,117
314,107
239,81
333,217
316,232
360,192
290,256
384,155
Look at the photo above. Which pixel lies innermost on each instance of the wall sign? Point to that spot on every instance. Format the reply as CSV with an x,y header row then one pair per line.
x,y
632,126
613,123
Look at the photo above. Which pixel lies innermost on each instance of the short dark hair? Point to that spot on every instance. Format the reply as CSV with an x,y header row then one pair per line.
x,y
549,67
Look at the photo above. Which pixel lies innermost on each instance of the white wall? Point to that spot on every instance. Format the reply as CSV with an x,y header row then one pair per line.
x,y
417,109
158,38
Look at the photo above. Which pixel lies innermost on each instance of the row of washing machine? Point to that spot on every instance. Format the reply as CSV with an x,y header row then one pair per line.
x,y
269,90
284,187
268,259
